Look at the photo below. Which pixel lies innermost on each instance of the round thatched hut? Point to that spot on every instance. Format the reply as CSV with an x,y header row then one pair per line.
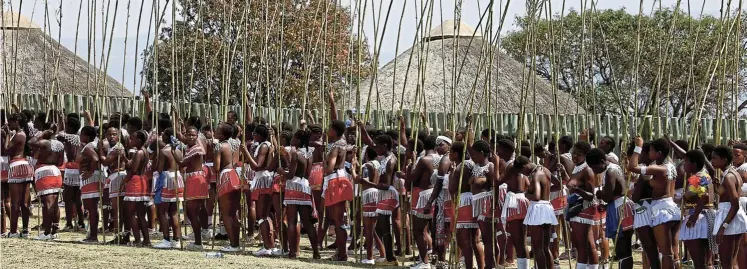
x,y
26,69
506,83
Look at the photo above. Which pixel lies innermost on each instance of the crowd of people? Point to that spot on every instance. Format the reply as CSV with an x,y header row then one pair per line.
x,y
135,174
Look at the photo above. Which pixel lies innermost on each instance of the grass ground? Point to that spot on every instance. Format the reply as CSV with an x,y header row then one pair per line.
x,y
66,252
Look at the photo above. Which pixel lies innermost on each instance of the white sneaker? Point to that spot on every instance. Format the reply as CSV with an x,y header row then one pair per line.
x,y
192,246
190,236
263,252
276,252
421,265
206,234
43,237
368,262
54,236
14,235
176,244
230,249
165,244
380,259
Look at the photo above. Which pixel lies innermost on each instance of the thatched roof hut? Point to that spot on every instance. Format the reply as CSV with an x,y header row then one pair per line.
x,y
440,44
22,47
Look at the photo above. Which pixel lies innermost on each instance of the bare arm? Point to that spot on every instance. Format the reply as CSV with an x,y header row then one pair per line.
x,y
332,107
365,138
533,190
606,193
331,161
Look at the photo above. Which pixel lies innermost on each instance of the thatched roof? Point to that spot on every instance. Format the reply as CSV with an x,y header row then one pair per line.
x,y
29,77
440,44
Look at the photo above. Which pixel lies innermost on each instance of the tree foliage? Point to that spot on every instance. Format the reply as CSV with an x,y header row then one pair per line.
x,y
275,45
604,80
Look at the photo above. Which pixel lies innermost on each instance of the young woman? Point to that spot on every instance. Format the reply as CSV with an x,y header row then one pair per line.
x,y
698,209
137,191
731,221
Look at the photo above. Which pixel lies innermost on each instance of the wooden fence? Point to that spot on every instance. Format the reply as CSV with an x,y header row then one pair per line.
x,y
506,124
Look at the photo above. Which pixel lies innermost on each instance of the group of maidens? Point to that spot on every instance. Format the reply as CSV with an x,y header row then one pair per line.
x,y
502,201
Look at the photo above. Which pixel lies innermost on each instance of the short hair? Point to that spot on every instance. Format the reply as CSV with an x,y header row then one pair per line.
x,y
488,133
609,141
740,146
525,143
697,157
392,133
724,152
29,114
582,147
225,128
566,141
73,116
136,123
89,131
520,162
207,128
73,124
315,128
482,146
526,151
592,134
194,121
141,135
384,140
707,149
661,145
458,148
538,147
595,156
234,113
682,144
262,131
506,144
303,138
338,126
415,145
371,153
287,126
164,124
429,142
287,135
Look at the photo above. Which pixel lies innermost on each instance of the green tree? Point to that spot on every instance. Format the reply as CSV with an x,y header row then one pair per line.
x,y
604,81
289,44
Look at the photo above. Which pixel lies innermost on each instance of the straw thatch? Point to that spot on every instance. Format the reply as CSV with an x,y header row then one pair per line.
x,y
506,84
26,63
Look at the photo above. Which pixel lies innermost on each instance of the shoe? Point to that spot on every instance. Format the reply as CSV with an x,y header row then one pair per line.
x,y
176,244
206,234
421,265
189,236
192,246
165,244
277,252
14,235
25,234
43,237
230,249
368,262
87,241
263,252
54,236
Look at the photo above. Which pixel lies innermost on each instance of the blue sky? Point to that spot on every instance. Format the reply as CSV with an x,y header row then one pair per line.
x,y
122,67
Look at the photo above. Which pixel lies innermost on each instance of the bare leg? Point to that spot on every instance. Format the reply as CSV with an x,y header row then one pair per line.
x,y
106,212
142,211
163,219
174,218
319,205
420,227
131,207
370,236
650,250
92,205
264,205
229,205
49,206
293,234
477,248
624,251
384,229
464,241
488,240
727,250
194,212
663,238
696,249
25,207
586,247
336,215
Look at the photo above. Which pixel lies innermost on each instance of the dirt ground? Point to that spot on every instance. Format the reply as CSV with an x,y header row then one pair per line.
x,y
66,252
